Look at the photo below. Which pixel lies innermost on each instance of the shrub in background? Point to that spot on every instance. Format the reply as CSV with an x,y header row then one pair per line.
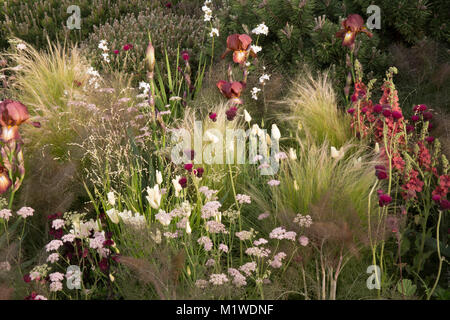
x,y
34,20
168,31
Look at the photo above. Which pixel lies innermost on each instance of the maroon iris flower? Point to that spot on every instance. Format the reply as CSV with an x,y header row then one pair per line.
x,y
351,26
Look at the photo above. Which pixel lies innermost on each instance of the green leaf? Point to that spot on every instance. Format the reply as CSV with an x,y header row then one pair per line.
x,y
408,288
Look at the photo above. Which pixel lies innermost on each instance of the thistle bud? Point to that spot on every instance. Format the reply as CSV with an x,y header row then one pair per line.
x,y
150,56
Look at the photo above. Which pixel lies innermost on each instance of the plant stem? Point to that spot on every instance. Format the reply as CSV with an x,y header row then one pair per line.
x,y
441,259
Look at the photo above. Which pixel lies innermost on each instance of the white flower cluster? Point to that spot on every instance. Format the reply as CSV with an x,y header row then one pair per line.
x,y
303,221
103,45
265,77
144,86
214,32
207,10
95,76
261,29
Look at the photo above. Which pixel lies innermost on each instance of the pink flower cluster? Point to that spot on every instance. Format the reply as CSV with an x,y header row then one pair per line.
x,y
280,233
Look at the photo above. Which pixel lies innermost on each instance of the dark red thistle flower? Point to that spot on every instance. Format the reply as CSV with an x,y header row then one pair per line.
x,y
102,216
213,116
127,47
436,198
384,199
27,278
185,55
429,139
420,108
55,216
108,243
410,128
231,113
351,26
387,113
430,126
380,172
57,234
104,264
199,172
188,166
427,115
32,296
378,108
239,44
415,118
397,114
364,110
445,204
183,182
351,110
168,5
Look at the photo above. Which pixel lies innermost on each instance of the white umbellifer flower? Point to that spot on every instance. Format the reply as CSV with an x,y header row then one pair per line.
x,y
265,77
111,198
247,116
159,178
92,72
337,154
57,224
106,57
21,46
175,98
254,92
53,257
53,245
154,196
214,32
5,214
275,132
261,29
256,49
103,45
208,13
144,85
25,212
113,214
292,154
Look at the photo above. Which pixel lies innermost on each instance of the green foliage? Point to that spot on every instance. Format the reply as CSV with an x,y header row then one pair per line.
x,y
406,287
409,21
34,20
169,32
